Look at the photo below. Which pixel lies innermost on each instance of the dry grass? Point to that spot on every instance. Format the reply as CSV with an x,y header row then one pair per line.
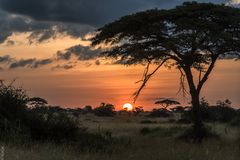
x,y
159,145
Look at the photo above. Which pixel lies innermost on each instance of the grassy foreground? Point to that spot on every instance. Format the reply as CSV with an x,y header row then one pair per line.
x,y
158,142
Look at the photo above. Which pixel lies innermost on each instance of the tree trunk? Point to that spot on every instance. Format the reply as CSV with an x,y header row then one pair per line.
x,y
198,127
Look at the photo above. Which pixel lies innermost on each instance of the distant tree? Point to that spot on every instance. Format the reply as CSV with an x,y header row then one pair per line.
x,y
179,109
37,102
204,103
226,103
165,103
137,110
190,37
88,109
104,110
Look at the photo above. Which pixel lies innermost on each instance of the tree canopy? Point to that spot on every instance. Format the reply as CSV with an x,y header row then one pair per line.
x,y
165,103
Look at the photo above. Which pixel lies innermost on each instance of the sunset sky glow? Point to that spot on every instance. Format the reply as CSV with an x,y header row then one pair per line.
x,y
50,56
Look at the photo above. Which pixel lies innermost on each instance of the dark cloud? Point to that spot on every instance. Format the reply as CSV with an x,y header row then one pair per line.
x,y
91,12
39,31
5,58
46,18
31,63
22,63
39,63
78,51
65,66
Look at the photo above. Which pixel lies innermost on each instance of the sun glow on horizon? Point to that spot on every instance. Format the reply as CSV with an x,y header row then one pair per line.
x,y
127,106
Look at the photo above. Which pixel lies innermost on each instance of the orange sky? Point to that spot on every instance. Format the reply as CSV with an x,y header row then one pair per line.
x,y
115,84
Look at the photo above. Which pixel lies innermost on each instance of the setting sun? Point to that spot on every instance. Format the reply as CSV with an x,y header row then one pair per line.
x,y
127,107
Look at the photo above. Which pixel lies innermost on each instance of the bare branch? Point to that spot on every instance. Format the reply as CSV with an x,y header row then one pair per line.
x,y
209,70
146,77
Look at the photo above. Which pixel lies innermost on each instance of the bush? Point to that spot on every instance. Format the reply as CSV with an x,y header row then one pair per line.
x,y
105,110
213,114
12,102
56,127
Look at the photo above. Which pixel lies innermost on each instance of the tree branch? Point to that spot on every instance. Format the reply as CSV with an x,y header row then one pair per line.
x,y
209,70
146,77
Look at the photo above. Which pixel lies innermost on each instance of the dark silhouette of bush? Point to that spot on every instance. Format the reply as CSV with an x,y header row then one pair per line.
x,y
12,102
55,127
137,110
87,109
222,112
104,110
36,102
160,113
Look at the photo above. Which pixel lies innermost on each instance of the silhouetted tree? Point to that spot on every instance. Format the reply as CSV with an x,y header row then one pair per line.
x,y
137,110
190,37
226,103
88,109
204,103
165,103
37,102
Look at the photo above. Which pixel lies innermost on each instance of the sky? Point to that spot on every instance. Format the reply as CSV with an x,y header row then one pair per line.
x,y
45,46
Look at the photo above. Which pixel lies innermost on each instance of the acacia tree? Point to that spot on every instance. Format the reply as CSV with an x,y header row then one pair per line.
x,y
190,37
165,103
